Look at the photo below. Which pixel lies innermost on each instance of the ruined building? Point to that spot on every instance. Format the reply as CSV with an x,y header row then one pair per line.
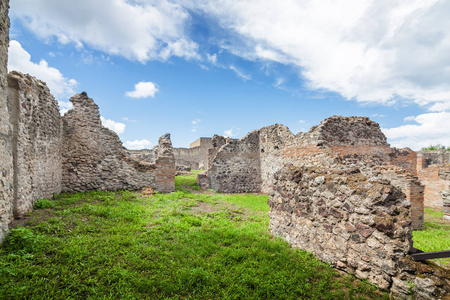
x,y
42,153
338,191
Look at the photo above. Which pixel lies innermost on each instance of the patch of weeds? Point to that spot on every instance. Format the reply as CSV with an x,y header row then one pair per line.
x,y
44,203
178,245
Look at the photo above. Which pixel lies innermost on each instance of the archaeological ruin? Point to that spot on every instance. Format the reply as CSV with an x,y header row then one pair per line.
x,y
338,191
44,153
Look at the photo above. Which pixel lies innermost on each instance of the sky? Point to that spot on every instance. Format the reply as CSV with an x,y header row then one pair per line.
x,y
195,68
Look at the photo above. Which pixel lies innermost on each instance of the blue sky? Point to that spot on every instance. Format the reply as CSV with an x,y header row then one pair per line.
x,y
199,68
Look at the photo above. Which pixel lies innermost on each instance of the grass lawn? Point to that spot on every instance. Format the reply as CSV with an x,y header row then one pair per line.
x,y
435,236
183,245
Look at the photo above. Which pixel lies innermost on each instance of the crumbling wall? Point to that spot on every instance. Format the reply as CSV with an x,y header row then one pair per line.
x,y
216,143
165,163
6,157
147,155
272,139
358,223
194,158
37,138
431,165
236,168
93,156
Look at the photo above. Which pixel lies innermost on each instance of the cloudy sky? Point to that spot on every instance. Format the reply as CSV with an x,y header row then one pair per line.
x,y
195,68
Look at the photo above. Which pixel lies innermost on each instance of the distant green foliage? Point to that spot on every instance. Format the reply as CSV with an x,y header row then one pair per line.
x,y
436,147
44,203
120,245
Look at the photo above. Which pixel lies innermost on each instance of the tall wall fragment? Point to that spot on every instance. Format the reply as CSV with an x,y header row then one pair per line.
x,y
236,168
6,157
165,166
93,155
36,127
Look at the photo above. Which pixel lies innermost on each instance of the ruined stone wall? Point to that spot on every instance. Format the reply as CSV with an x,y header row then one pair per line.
x,y
272,140
216,143
147,155
431,167
93,155
434,186
236,168
194,158
165,166
360,224
6,157
411,187
37,139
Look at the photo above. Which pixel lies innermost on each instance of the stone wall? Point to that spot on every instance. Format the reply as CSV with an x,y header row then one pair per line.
x,y
6,157
236,168
354,141
194,158
165,166
94,158
356,221
431,167
36,126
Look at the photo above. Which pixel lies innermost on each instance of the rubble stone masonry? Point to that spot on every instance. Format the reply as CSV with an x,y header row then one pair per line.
x,y
36,126
6,157
93,157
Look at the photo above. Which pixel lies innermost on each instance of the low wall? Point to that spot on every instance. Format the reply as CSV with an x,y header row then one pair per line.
x,y
37,140
359,224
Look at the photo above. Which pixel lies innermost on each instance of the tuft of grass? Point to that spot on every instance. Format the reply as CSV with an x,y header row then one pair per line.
x,y
435,236
114,245
44,203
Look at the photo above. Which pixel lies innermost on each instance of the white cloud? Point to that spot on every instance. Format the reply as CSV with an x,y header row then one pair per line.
x,y
301,121
117,127
232,132
20,60
138,144
139,30
211,58
143,89
431,129
195,121
128,120
240,73
381,51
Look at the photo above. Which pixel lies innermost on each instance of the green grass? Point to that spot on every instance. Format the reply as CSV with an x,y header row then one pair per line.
x,y
435,236
116,245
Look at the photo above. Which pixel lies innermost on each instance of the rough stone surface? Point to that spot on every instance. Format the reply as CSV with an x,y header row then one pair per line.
x,y
203,180
165,167
6,157
236,168
249,164
36,126
433,170
94,158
